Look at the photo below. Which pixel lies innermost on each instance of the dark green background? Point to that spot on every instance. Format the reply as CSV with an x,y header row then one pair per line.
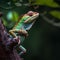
x,y
43,42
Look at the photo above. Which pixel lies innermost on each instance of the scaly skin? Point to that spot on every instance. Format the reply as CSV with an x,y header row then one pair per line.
x,y
24,24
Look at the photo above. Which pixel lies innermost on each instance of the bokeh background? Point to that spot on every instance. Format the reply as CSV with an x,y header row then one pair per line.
x,y
43,42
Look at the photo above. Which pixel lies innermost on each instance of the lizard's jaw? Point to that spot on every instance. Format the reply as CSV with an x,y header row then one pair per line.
x,y
32,18
37,15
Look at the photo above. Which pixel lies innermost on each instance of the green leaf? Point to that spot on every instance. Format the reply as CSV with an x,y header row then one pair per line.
x,y
12,16
55,14
50,3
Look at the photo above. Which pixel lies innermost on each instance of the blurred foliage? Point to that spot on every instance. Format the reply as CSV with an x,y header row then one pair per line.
x,y
49,3
55,14
12,16
10,19
5,22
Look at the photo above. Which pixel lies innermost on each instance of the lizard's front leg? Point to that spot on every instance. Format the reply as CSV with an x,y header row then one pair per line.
x,y
12,32
23,32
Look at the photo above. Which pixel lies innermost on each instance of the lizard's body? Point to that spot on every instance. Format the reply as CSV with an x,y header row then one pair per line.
x,y
24,24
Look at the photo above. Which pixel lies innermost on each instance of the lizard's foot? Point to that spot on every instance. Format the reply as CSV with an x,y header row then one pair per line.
x,y
12,33
23,50
23,32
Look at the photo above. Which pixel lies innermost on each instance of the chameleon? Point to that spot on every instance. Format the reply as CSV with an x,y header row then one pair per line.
x,y
24,24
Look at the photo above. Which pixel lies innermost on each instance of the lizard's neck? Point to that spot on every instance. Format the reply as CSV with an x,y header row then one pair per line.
x,y
21,21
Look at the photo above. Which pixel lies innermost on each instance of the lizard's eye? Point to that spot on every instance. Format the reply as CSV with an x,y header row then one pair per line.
x,y
30,14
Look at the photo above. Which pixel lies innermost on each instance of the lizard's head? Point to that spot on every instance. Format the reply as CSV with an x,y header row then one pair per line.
x,y
33,15
31,20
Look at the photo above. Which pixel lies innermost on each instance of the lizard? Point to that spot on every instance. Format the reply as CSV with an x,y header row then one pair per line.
x,y
24,24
